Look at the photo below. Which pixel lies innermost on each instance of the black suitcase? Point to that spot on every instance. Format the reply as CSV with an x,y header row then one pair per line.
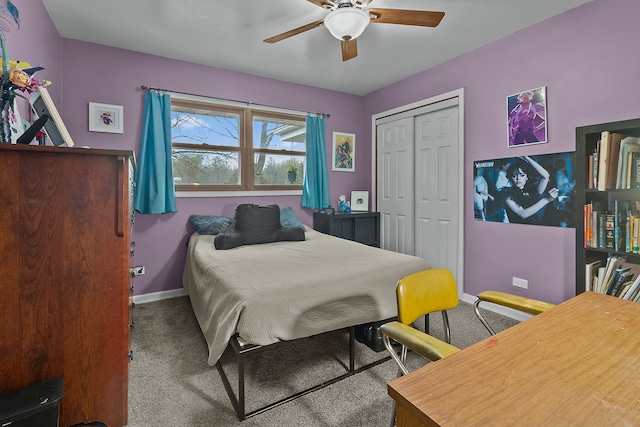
x,y
370,335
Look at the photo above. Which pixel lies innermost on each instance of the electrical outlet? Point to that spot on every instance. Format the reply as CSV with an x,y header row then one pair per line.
x,y
521,283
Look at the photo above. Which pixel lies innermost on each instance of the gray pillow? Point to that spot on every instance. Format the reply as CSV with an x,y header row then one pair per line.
x,y
257,223
210,224
254,224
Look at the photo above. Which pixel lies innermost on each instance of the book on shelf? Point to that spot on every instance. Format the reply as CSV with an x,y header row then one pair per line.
x,y
634,171
603,160
609,231
590,171
619,278
589,240
620,208
615,140
635,245
624,288
628,146
633,290
606,273
631,215
596,166
591,274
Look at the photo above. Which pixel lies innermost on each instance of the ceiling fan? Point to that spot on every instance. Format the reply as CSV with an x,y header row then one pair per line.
x,y
347,19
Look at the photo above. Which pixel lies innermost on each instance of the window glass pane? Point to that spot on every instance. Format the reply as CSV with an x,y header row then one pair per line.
x,y
194,166
278,169
199,126
278,134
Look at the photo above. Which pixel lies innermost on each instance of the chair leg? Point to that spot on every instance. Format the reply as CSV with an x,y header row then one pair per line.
x,y
476,308
447,330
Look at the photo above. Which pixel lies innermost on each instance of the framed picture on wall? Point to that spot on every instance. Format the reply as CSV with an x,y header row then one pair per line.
x,y
527,117
344,152
105,118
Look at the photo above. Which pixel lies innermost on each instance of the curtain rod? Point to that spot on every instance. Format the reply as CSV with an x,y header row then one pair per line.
x,y
249,103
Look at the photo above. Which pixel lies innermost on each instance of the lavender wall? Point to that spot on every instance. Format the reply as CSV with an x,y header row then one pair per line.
x,y
586,60
93,73
38,43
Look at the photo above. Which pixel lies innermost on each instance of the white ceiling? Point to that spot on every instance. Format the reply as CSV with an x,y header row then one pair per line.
x,y
229,34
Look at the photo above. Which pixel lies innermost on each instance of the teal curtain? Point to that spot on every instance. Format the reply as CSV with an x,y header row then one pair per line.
x,y
315,187
154,190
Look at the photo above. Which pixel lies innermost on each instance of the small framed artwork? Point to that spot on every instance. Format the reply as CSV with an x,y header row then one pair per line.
x,y
105,118
527,117
360,201
344,152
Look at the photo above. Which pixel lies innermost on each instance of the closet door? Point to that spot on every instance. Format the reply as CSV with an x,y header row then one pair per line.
x,y
395,184
437,186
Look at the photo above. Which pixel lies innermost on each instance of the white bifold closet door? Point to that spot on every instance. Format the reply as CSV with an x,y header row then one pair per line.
x,y
419,183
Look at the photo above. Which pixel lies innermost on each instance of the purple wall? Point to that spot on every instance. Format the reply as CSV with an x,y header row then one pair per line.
x,y
93,73
587,61
38,43
591,77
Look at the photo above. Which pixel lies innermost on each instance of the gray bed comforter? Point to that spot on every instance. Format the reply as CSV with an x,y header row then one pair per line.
x,y
287,290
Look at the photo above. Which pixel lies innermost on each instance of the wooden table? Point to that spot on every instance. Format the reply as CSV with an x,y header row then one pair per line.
x,y
577,364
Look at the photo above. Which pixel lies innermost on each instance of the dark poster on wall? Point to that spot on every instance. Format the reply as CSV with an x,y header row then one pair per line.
x,y
535,190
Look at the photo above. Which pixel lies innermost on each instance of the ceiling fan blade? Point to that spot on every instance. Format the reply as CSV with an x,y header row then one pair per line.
x,y
349,49
421,18
295,31
363,3
325,4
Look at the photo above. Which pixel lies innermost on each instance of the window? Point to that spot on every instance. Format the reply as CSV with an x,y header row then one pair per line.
x,y
225,148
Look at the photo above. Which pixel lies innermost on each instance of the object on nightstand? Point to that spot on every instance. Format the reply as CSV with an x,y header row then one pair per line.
x,y
342,203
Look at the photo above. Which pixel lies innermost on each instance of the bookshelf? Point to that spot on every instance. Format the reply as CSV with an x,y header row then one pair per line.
x,y
589,248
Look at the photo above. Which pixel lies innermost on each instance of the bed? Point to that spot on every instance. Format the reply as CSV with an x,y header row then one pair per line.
x,y
259,295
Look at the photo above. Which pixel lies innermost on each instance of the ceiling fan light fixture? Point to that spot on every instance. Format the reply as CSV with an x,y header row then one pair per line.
x,y
346,23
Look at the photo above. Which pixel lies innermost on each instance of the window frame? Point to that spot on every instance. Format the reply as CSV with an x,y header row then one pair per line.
x,y
246,150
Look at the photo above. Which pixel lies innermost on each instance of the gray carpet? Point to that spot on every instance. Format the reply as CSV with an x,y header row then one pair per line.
x,y
171,384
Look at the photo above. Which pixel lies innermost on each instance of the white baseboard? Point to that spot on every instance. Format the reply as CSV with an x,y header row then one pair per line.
x,y
505,311
157,296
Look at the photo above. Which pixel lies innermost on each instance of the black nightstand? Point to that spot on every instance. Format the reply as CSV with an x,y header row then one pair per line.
x,y
362,227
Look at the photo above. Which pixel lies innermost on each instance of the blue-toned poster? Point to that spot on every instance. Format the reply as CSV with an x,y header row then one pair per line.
x,y
535,190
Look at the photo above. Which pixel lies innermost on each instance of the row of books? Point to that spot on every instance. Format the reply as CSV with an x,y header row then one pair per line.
x,y
617,229
612,278
615,163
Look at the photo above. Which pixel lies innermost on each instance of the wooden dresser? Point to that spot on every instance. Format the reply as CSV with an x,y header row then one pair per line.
x,y
65,301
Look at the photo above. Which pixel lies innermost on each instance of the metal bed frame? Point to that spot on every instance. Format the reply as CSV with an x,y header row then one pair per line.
x,y
241,350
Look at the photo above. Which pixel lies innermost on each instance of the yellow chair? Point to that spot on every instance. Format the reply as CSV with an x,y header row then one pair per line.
x,y
516,302
419,294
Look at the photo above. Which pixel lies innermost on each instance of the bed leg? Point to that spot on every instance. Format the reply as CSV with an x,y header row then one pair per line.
x,y
241,413
239,402
352,348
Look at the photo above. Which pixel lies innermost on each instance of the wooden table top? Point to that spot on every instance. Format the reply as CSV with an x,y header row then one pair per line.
x,y
577,364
